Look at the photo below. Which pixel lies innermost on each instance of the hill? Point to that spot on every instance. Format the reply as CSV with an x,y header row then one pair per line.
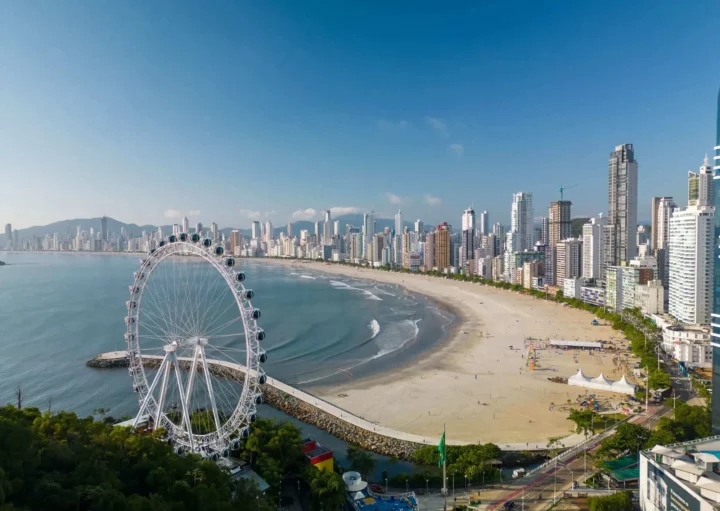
x,y
577,225
69,227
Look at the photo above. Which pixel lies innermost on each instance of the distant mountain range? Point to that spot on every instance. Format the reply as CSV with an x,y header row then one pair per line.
x,y
114,226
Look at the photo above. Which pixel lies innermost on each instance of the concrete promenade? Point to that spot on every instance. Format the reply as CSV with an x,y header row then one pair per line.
x,y
354,419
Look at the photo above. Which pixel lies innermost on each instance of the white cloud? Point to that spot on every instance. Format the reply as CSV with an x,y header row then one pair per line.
x,y
304,214
345,210
457,149
394,199
172,213
256,215
194,212
384,124
432,201
439,125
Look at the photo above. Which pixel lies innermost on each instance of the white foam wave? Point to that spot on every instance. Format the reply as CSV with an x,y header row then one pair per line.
x,y
306,277
375,327
342,285
403,332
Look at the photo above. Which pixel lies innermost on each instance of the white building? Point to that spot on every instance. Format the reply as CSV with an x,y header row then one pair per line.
x,y
650,297
185,225
399,222
572,288
521,220
255,230
691,264
568,260
268,231
701,188
419,227
484,223
593,255
681,477
467,250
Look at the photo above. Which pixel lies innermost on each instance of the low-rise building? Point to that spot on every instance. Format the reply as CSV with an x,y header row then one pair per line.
x,y
592,294
532,270
572,288
689,344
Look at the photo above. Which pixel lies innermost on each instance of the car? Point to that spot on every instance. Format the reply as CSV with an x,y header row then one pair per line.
x,y
509,504
377,488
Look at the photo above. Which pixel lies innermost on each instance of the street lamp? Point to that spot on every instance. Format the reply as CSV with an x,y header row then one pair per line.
x,y
386,485
465,482
427,486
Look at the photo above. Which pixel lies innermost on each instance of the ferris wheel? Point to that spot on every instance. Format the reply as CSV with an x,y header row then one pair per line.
x,y
193,346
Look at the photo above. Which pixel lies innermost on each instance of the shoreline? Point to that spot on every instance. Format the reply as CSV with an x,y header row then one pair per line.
x,y
476,380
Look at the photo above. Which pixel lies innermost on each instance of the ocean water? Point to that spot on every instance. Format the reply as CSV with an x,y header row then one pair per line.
x,y
59,310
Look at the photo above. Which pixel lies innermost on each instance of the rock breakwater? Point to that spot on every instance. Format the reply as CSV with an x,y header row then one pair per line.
x,y
298,408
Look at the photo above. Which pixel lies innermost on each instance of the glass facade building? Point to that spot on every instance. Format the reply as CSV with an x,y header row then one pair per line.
x,y
715,320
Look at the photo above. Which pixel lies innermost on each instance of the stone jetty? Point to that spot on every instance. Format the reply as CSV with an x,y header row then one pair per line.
x,y
298,404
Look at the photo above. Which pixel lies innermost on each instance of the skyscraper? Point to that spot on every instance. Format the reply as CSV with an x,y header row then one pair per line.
x,y
289,230
368,225
419,228
336,228
103,228
185,225
691,264
544,230
254,230
521,220
660,212
559,222
398,222
198,228
701,188
593,254
235,242
621,229
715,316
467,251
442,246
430,251
484,223
268,231
568,263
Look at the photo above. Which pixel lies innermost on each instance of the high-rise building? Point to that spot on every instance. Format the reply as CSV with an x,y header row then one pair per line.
x,y
521,220
621,227
103,228
593,254
715,321
318,232
368,225
268,231
235,242
467,250
185,224
398,222
8,236
484,223
442,245
254,230
430,251
327,228
289,230
691,264
419,228
568,260
701,188
544,230
559,222
198,228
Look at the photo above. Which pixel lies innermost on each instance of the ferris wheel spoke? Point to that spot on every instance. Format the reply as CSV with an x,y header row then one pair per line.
x,y
238,334
153,319
220,328
212,309
184,297
206,370
202,296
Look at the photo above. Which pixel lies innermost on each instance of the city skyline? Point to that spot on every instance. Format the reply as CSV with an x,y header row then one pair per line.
x,y
350,129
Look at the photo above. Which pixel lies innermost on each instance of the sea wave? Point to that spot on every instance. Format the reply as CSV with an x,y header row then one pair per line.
x,y
306,277
375,327
342,285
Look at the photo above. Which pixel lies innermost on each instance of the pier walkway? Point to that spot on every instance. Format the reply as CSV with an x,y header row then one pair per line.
x,y
344,415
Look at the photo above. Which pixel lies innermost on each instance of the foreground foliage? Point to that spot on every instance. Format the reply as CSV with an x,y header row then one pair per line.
x,y
621,501
62,462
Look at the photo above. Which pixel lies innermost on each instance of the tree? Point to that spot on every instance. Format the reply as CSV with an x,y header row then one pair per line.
x,y
360,461
583,420
621,501
328,489
628,438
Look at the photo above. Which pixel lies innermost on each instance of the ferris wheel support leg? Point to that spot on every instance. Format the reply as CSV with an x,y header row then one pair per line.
x,y
211,392
163,389
191,377
145,402
184,402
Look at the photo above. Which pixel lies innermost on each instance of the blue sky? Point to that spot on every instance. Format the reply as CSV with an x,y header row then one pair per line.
x,y
234,111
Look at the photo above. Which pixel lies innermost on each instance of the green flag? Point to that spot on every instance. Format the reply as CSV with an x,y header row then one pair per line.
x,y
441,450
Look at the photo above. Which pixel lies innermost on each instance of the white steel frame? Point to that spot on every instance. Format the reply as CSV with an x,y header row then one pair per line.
x,y
182,435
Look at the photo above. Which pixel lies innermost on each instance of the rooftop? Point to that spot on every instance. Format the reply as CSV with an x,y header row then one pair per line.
x,y
695,463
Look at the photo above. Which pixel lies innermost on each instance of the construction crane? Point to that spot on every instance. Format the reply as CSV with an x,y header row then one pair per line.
x,y
563,188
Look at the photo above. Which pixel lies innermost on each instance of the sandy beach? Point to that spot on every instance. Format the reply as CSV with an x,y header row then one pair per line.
x,y
473,382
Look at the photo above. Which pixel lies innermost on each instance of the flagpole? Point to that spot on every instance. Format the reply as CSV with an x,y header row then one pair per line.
x,y
444,477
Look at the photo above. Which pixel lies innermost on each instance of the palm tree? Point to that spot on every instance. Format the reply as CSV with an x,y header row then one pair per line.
x,y
360,461
328,490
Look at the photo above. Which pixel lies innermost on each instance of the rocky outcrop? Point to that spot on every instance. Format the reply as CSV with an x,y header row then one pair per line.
x,y
301,410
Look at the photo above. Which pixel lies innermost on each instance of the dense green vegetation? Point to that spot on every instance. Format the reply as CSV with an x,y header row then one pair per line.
x,y
62,462
621,501
466,460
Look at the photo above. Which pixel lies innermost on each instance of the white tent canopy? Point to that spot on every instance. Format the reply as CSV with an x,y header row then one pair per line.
x,y
621,386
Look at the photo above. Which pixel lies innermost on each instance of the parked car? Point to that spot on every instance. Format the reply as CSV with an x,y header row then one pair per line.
x,y
509,505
